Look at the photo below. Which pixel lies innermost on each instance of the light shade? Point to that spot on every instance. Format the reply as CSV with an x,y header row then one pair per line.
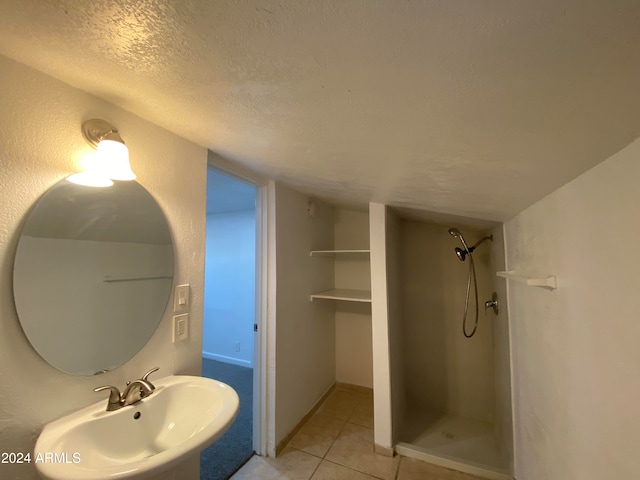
x,y
113,160
90,178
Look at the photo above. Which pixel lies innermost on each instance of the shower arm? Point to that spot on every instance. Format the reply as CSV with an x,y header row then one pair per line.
x,y
483,239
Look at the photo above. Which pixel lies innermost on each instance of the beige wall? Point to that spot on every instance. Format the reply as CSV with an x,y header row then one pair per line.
x,y
503,424
451,373
354,354
305,331
40,141
575,350
396,335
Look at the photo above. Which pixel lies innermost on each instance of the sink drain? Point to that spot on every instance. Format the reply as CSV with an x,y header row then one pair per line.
x,y
448,435
137,415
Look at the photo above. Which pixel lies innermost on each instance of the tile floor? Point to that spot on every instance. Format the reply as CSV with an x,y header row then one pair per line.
x,y
336,443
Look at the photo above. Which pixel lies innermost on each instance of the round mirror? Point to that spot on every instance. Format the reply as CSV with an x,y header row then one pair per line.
x,y
92,276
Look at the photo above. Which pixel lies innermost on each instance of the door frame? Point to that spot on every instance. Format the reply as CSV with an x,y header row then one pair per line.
x,y
263,377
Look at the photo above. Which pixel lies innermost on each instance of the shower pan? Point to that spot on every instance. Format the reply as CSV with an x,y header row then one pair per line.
x,y
453,415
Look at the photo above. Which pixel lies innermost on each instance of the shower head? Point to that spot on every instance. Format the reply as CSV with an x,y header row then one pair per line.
x,y
455,233
462,254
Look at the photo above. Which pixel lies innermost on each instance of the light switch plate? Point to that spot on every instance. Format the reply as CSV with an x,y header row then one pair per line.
x,y
181,298
180,327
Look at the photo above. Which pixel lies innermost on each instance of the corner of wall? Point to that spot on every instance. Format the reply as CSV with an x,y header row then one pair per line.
x,y
383,432
305,349
503,361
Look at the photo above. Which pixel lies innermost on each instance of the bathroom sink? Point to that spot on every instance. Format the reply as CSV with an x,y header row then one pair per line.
x,y
183,416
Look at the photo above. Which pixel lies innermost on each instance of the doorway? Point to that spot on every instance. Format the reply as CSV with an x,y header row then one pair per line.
x,y
229,340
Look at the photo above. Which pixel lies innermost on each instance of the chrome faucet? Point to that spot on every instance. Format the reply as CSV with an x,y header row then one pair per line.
x,y
133,393
114,402
136,391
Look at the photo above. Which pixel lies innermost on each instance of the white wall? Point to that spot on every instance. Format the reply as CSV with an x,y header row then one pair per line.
x,y
382,317
354,350
575,350
305,332
40,144
455,373
230,283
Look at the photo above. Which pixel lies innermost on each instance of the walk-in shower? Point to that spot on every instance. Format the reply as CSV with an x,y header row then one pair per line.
x,y
453,391
462,254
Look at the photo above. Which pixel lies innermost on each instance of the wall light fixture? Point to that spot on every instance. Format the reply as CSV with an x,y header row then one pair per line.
x,y
111,161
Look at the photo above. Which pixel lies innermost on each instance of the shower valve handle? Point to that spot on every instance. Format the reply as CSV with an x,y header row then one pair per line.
x,y
493,303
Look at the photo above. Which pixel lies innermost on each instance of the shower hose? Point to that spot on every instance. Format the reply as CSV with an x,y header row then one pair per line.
x,y
472,273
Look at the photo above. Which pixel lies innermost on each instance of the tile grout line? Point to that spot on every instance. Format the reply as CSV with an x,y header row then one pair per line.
x,y
397,476
356,470
346,422
315,469
335,439
324,457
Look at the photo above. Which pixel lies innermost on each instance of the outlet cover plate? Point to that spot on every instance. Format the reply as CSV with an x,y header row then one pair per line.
x,y
180,327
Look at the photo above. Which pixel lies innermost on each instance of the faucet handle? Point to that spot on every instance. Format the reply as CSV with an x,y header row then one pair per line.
x,y
114,396
145,377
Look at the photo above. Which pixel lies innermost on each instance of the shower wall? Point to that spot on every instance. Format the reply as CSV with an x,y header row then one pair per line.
x,y
444,371
503,424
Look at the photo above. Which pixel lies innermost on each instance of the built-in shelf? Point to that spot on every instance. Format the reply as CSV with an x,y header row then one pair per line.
x,y
345,294
340,253
135,278
549,282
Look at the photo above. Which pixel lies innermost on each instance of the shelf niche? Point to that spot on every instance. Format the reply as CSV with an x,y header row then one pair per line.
x,y
344,294
341,253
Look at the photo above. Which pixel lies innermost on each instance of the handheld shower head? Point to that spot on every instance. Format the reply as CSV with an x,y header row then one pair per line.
x,y
455,233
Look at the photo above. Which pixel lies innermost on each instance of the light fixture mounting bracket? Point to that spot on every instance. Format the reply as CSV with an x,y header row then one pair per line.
x,y
96,130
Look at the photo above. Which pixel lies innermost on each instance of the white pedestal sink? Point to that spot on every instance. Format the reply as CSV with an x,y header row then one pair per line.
x,y
183,416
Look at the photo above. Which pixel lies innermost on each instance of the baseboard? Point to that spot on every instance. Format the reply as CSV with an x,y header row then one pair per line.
x,y
382,450
353,388
232,360
285,441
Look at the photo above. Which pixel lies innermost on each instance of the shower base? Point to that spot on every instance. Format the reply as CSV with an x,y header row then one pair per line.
x,y
459,443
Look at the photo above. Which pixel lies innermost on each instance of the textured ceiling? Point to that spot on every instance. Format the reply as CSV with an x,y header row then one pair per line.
x,y
465,107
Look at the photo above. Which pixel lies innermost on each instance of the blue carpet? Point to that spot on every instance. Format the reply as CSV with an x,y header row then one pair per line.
x,y
235,447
